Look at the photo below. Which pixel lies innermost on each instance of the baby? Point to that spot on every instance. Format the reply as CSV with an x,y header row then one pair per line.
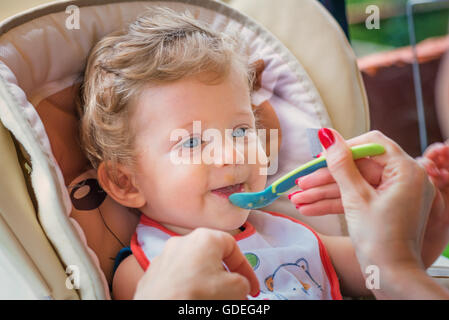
x,y
145,90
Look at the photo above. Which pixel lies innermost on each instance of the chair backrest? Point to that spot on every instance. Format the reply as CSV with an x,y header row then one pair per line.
x,y
27,260
308,30
40,63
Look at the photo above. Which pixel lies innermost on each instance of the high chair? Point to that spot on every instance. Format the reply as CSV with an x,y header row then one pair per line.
x,y
54,248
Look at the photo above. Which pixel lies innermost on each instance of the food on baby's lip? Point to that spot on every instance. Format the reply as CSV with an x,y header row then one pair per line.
x,y
225,192
229,179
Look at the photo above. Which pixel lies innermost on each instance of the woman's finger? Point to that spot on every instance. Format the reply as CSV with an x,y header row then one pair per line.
x,y
341,164
235,260
315,179
370,170
328,191
236,286
321,208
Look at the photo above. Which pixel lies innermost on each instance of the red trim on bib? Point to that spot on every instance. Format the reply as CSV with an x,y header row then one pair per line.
x,y
328,267
138,253
249,231
152,223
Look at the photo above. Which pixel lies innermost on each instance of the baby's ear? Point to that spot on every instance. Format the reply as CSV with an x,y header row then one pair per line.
x,y
122,189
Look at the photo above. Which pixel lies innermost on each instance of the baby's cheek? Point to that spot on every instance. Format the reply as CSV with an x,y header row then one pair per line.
x,y
261,181
187,180
258,178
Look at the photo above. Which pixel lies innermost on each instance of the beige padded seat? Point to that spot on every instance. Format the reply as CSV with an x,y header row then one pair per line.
x,y
308,30
26,256
41,241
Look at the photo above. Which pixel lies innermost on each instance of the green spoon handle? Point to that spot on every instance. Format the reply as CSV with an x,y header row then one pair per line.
x,y
287,182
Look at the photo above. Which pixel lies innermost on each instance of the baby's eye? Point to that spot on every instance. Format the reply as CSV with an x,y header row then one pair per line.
x,y
240,132
191,143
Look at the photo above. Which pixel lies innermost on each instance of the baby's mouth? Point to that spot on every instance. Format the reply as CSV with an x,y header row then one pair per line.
x,y
225,192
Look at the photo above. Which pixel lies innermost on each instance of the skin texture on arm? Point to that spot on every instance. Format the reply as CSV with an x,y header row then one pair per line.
x,y
126,277
346,265
394,281
409,283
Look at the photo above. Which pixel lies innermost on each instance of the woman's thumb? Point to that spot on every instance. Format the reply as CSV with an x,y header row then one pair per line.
x,y
341,163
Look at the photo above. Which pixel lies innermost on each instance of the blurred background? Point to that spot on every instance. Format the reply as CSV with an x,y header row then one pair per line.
x,y
385,59
431,20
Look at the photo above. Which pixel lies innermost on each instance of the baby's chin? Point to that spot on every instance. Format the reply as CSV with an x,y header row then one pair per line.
x,y
233,219
223,215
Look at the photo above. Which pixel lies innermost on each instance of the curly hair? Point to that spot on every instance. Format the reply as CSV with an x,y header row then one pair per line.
x,y
161,46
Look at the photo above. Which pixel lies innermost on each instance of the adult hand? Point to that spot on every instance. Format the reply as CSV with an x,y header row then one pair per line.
x,y
393,213
320,195
386,223
191,267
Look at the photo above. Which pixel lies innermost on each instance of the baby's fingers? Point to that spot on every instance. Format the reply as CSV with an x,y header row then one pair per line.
x,y
318,178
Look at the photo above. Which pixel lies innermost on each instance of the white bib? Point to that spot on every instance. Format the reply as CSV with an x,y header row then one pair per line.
x,y
287,256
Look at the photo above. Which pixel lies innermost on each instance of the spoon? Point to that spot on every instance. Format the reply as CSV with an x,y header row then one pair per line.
x,y
255,200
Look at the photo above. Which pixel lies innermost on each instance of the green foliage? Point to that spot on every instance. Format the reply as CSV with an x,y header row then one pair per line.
x,y
394,31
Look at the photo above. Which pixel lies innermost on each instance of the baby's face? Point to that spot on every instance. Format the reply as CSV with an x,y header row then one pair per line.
x,y
183,196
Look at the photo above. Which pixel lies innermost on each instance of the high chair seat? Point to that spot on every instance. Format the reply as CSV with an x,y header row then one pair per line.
x,y
319,44
41,66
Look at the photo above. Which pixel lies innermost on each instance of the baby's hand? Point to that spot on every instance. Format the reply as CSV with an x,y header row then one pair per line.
x,y
436,162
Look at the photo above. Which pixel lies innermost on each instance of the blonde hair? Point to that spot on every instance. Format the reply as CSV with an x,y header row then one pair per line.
x,y
159,47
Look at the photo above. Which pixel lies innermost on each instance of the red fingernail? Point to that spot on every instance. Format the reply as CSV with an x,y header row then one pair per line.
x,y
297,180
318,155
256,295
293,193
326,137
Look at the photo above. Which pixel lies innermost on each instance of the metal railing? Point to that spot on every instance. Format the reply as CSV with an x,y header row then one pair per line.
x,y
411,4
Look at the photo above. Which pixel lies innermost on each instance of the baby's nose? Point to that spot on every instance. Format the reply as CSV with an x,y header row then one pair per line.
x,y
231,153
